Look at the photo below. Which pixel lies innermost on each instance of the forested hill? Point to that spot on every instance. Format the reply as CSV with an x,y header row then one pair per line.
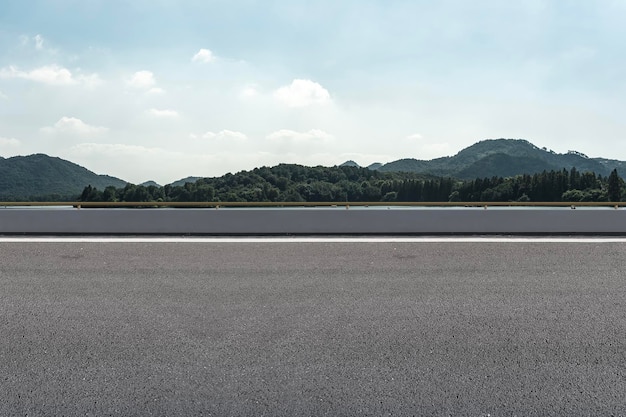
x,y
293,183
284,182
504,157
41,177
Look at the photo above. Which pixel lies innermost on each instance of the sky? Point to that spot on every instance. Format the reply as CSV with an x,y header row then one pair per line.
x,y
165,89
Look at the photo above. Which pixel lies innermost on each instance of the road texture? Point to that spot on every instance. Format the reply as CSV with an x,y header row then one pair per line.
x,y
463,329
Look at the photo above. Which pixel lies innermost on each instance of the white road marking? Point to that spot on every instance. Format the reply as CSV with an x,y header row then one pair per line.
x,y
316,239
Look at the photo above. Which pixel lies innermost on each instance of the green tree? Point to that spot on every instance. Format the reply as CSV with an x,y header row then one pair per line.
x,y
614,191
109,194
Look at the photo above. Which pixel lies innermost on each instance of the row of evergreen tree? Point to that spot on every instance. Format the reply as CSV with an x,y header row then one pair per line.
x,y
296,183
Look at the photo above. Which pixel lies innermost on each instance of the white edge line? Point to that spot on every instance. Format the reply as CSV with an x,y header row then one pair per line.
x,y
323,239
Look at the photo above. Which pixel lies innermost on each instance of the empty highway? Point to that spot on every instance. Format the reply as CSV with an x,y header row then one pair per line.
x,y
237,327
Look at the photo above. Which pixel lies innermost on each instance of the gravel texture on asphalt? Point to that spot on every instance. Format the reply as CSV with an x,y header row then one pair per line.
x,y
463,329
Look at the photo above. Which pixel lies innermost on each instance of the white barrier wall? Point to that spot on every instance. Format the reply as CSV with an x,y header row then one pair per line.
x,y
312,221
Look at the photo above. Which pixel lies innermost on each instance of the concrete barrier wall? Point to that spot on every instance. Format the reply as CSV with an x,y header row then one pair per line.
x,y
312,221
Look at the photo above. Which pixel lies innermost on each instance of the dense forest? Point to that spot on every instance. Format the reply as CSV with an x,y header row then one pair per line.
x,y
296,183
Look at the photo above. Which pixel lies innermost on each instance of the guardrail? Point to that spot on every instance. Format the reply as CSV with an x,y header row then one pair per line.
x,y
218,204
248,219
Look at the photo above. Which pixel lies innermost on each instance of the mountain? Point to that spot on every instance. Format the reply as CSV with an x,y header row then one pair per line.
x,y
185,180
150,184
350,164
40,176
503,165
504,158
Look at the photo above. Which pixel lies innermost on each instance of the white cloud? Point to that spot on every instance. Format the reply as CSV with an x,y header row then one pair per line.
x,y
142,79
111,149
203,55
3,96
89,81
49,74
302,93
9,143
415,136
228,135
72,125
38,41
249,92
163,113
285,135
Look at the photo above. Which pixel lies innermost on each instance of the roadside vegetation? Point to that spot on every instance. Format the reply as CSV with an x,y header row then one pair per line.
x,y
296,183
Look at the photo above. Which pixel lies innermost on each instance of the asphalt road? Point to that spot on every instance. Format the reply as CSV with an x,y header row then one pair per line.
x,y
468,329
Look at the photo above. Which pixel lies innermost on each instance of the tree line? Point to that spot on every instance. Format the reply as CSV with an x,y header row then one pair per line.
x,y
296,183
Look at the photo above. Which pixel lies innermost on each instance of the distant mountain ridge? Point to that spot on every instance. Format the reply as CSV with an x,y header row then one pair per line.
x,y
349,163
42,177
36,176
504,158
183,181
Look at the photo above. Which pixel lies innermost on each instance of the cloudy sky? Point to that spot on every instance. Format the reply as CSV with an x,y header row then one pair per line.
x,y
163,89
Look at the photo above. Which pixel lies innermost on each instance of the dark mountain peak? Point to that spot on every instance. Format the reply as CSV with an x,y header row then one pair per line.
x,y
25,177
350,163
582,155
37,157
185,180
512,147
503,157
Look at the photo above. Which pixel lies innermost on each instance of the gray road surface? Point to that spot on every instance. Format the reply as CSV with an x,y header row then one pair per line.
x,y
467,329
